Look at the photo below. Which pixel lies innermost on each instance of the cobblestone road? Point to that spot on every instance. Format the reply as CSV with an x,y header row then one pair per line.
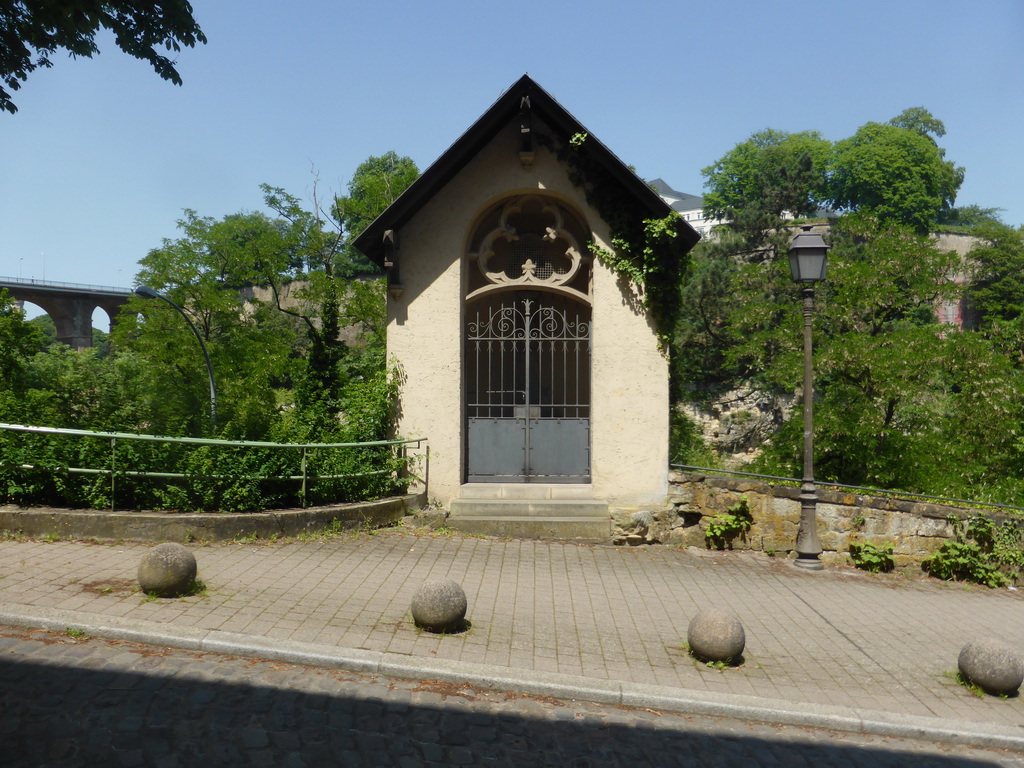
x,y
67,701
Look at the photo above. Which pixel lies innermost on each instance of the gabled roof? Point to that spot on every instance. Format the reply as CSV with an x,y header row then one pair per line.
x,y
455,158
680,201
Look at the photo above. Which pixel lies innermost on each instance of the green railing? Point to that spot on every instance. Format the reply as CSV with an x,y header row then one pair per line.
x,y
410,461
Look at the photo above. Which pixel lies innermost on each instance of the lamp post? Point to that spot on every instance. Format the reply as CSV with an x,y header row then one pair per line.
x,y
148,293
808,260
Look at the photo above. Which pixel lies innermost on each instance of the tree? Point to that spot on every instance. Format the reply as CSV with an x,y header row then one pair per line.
x,y
882,355
900,401
376,183
968,217
919,120
771,173
896,403
299,254
883,277
31,31
996,289
895,173
248,345
19,340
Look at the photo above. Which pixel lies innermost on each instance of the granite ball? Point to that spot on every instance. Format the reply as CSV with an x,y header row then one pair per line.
x,y
992,666
716,635
439,606
167,570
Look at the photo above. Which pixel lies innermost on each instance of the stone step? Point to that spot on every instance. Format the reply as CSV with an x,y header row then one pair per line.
x,y
584,529
529,508
582,491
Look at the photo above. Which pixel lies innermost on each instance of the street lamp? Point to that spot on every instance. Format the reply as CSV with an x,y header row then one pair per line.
x,y
148,293
808,260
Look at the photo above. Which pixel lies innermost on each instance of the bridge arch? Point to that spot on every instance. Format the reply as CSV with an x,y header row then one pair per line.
x,y
69,305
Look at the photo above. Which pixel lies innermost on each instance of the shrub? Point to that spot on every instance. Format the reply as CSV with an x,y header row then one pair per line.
x,y
870,558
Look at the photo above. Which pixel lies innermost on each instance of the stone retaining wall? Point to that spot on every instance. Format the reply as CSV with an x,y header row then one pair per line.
x,y
915,529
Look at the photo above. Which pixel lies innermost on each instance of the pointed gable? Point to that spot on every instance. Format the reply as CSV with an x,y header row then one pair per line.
x,y
524,100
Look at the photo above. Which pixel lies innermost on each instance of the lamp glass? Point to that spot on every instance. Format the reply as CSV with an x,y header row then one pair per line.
x,y
808,265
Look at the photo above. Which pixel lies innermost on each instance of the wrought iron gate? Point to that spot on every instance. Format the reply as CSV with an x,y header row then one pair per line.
x,y
528,388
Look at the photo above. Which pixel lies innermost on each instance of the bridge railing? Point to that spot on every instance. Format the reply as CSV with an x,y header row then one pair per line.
x,y
83,287
175,472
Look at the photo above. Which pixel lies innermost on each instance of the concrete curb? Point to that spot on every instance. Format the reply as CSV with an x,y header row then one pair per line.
x,y
490,677
186,527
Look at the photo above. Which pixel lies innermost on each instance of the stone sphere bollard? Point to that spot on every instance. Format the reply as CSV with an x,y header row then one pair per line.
x,y
992,666
168,570
716,635
439,606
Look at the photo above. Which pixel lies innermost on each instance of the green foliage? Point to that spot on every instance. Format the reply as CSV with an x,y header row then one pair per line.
x,y
920,120
726,526
376,183
18,341
996,288
896,173
704,330
871,558
900,401
983,552
967,218
771,173
893,171
298,355
647,252
686,442
651,260
217,478
31,31
972,688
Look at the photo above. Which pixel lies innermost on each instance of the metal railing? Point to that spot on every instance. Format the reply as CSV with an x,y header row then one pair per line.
x,y
304,477
873,491
31,282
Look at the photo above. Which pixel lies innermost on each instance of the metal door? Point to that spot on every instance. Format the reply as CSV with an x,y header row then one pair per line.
x,y
528,388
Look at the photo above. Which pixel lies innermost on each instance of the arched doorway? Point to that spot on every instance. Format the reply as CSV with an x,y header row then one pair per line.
x,y
527,346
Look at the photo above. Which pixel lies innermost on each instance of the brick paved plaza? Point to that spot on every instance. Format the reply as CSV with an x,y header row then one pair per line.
x,y
842,639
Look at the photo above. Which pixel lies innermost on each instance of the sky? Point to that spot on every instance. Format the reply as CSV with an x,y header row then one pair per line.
x,y
103,156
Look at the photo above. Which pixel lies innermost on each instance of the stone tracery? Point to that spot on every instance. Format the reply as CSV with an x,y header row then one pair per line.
x,y
530,245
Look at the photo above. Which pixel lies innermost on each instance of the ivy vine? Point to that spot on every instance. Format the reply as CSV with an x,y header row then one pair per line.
x,y
648,252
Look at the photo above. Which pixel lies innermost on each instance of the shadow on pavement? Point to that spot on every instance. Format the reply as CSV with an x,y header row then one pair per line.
x,y
203,710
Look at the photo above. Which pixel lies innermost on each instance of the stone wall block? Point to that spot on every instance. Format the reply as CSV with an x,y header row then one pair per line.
x,y
830,540
931,527
830,558
876,522
681,494
785,508
843,523
915,529
686,537
830,516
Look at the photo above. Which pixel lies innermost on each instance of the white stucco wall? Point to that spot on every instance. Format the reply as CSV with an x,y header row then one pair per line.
x,y
629,429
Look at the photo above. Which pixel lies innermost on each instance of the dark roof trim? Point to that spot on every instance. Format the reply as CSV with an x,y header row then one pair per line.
x,y
504,110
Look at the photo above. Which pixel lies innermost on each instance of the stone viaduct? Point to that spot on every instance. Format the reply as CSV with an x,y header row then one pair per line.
x,y
69,305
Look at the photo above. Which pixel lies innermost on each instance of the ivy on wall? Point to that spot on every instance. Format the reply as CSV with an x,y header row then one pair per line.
x,y
648,252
